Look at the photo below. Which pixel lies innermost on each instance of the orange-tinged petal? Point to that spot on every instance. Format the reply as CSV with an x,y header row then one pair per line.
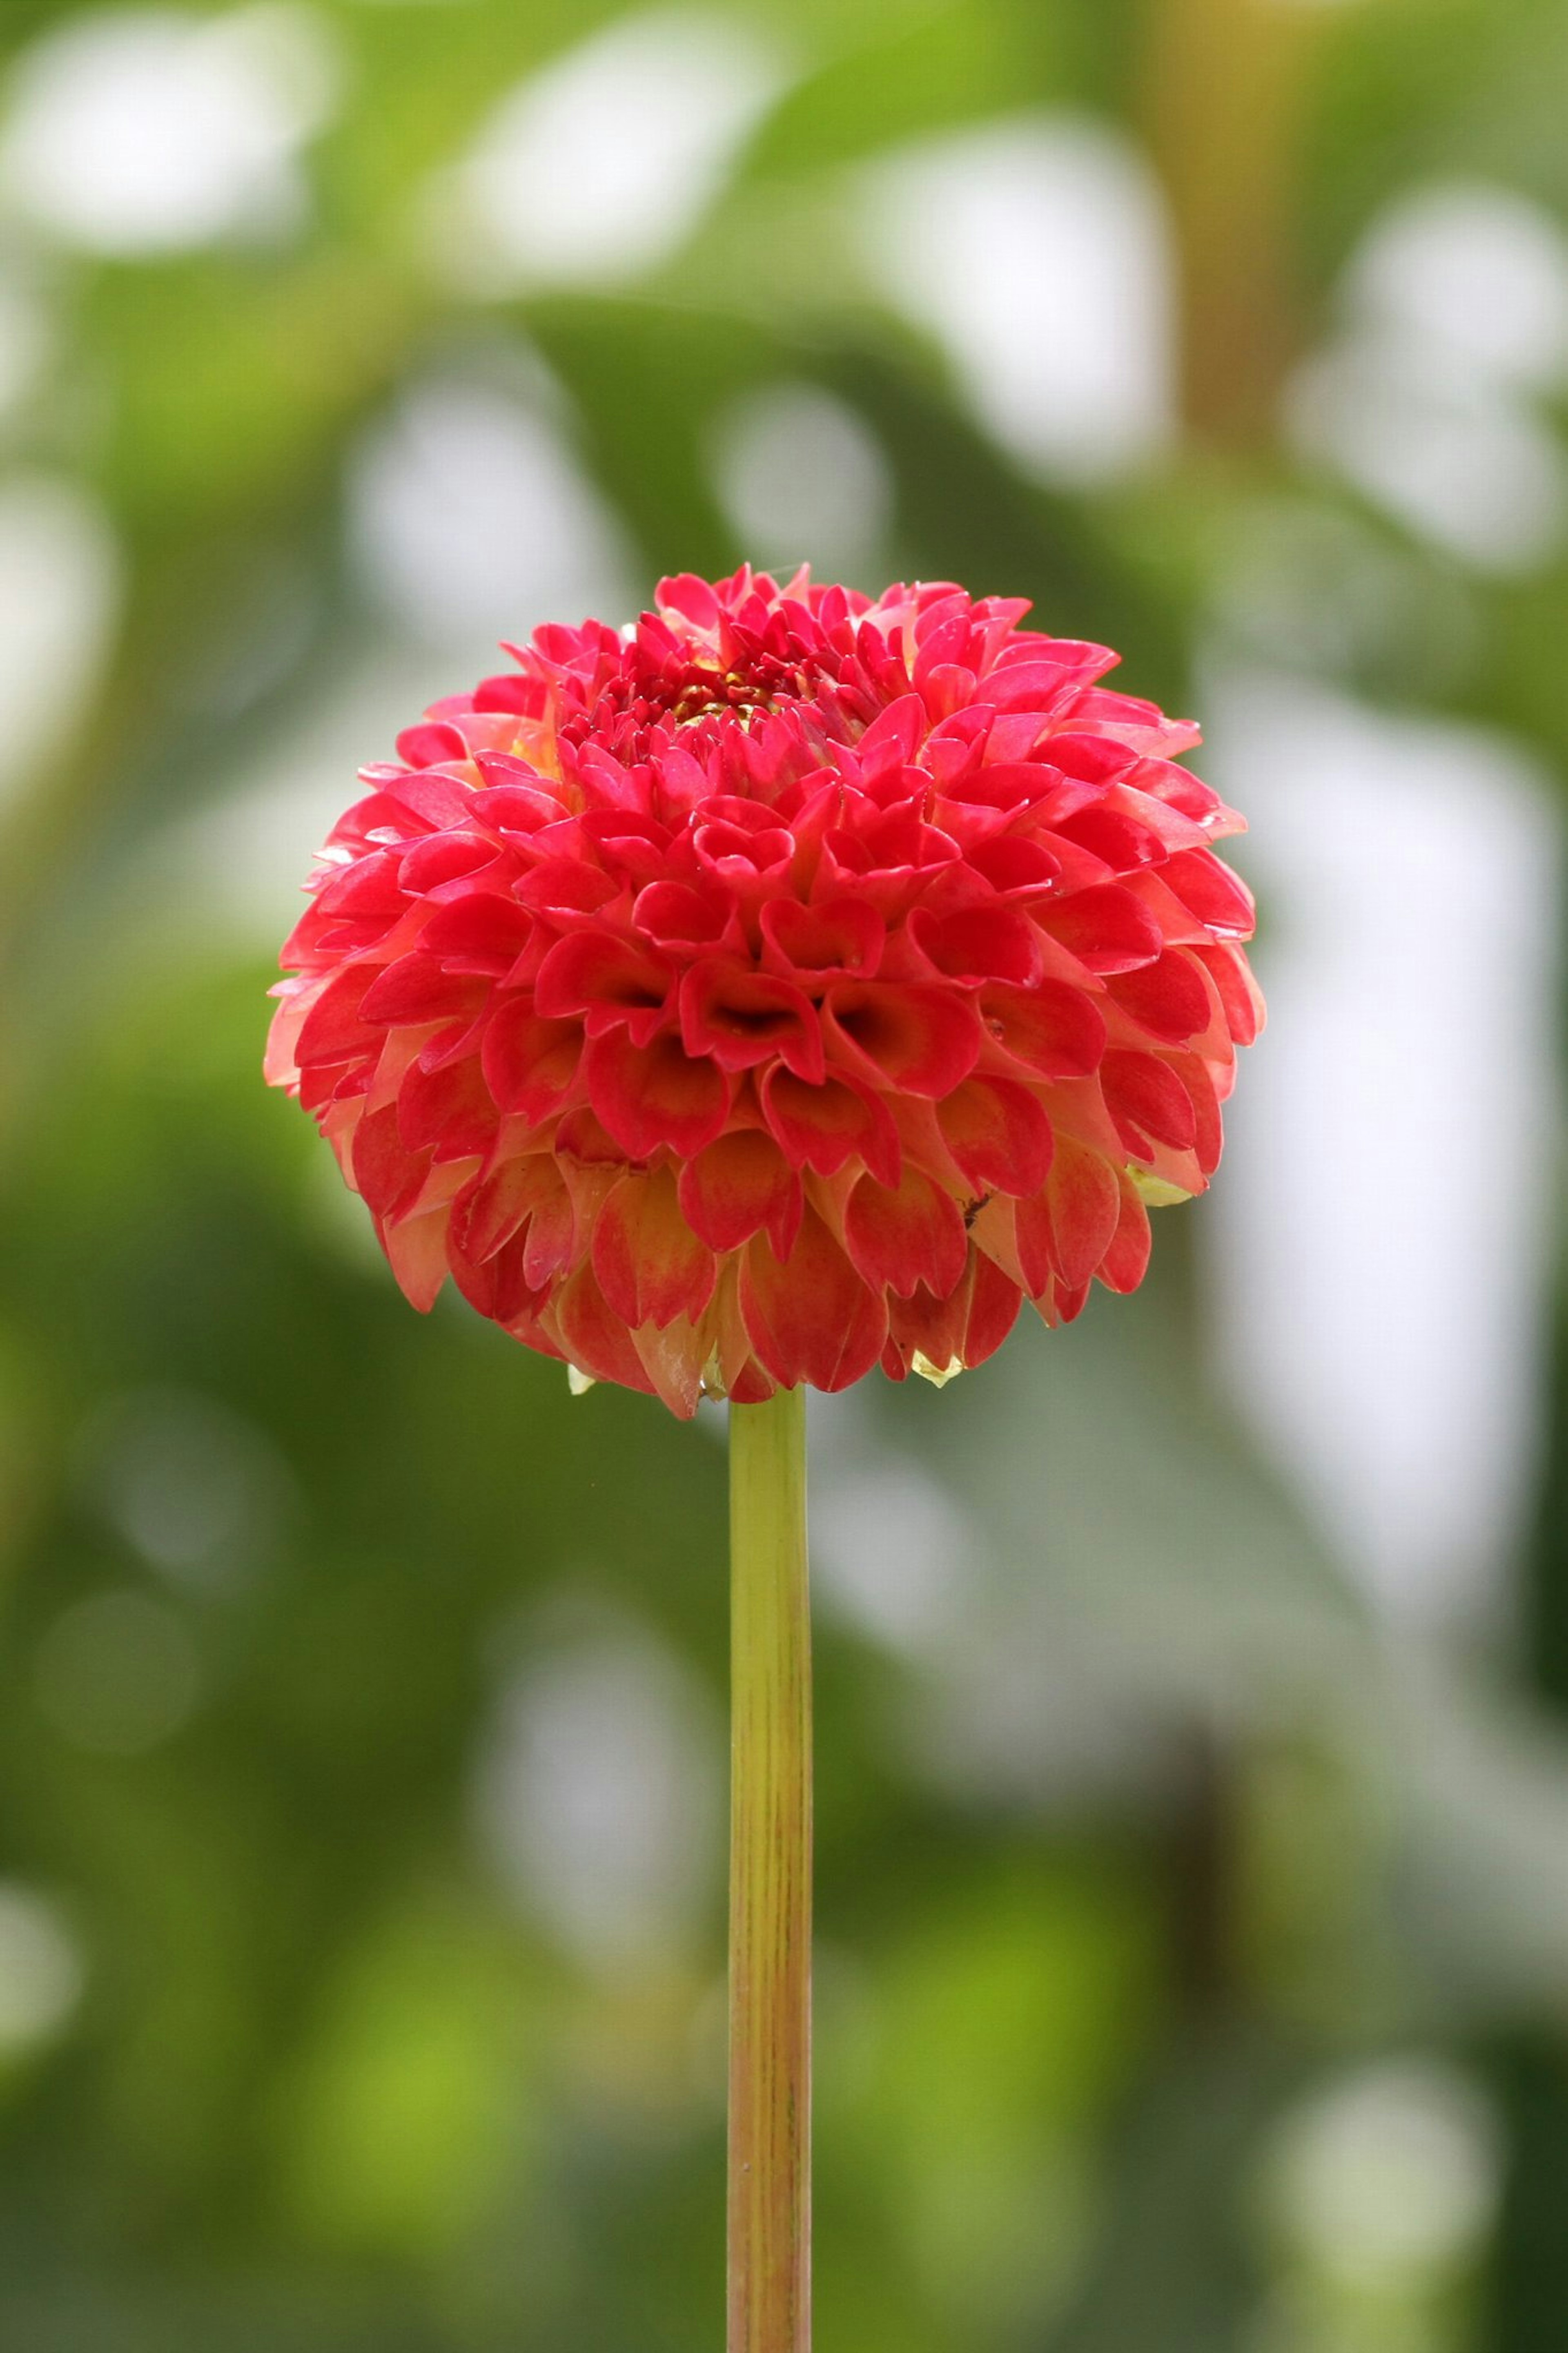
x,y
811,1319
530,1064
906,1235
711,995
999,1135
651,1266
825,1127
911,1039
1126,1260
742,1185
1083,1207
417,1253
653,1095
1147,1100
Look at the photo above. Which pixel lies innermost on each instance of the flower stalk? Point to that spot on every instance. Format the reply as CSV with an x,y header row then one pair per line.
x,y
770,1882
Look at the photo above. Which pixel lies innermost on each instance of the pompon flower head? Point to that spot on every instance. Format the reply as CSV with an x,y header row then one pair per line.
x,y
790,984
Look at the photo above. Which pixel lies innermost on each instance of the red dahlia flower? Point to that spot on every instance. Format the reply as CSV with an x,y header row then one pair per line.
x,y
788,984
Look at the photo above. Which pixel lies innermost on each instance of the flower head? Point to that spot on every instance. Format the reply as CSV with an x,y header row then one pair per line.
x,y
789,984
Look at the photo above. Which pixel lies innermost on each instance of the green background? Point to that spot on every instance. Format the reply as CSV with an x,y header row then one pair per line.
x,y
1193,1971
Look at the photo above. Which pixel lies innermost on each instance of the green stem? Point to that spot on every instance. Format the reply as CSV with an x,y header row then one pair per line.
x,y
770,1882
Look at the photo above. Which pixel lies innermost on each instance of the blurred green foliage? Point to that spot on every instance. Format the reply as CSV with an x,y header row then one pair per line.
x,y
339,2012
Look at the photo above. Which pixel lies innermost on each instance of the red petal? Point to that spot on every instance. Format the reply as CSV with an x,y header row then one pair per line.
x,y
592,1336
416,988
531,1065
491,1211
979,943
811,1319
1014,867
740,1186
920,1040
998,1133
1106,929
843,936
1146,1099
993,1311
608,980
1123,1265
416,1253
741,1018
1054,1029
1168,998
385,1172
450,1109
1083,1206
655,1095
567,888
426,745
823,1127
1120,841
333,1031
483,934
906,1236
1198,1080
675,916
1239,992
1207,889
441,857
651,1266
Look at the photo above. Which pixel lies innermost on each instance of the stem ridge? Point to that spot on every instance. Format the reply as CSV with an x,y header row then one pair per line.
x,y
769,2254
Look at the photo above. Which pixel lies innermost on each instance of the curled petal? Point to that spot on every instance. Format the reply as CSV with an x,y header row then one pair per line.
x,y
791,981
742,1018
842,938
418,988
823,1127
591,1337
607,982
1219,897
492,1212
913,1040
333,1031
653,1095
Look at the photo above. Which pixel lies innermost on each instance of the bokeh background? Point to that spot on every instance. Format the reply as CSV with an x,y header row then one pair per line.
x,y
1194,1781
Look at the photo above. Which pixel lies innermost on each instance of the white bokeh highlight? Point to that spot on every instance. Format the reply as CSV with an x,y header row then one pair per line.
x,y
599,1793
1431,395
597,166
802,477
1383,1237
143,131
1036,252
470,519
41,1970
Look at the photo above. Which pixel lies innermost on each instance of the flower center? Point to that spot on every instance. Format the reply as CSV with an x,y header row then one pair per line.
x,y
759,685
